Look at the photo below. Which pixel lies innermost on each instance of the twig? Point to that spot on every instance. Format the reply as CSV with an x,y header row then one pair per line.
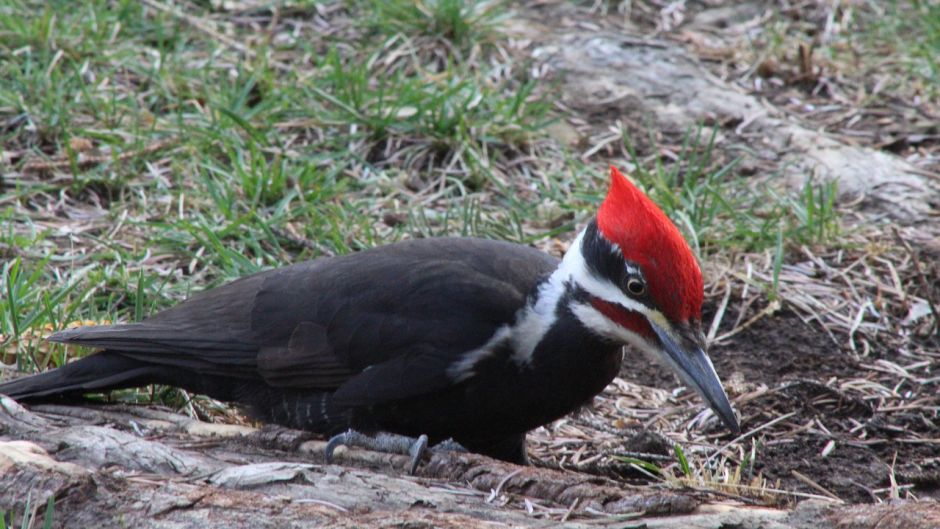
x,y
570,510
915,260
495,493
749,433
207,28
201,25
806,479
771,308
323,503
719,314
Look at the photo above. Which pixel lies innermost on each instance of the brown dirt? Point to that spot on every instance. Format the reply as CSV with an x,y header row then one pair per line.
x,y
805,371
773,349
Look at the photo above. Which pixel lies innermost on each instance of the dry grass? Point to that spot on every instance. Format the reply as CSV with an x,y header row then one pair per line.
x,y
165,148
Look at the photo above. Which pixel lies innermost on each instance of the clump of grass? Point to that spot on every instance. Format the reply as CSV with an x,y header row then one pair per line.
x,y
721,211
689,470
426,121
461,24
266,165
29,519
881,48
914,29
28,303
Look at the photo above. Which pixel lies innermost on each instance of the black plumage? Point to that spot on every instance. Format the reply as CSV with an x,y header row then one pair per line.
x,y
475,340
368,340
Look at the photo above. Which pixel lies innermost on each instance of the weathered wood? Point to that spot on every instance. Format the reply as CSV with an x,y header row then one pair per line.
x,y
166,470
481,473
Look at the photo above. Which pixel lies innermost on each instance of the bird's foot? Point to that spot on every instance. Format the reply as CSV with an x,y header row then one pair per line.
x,y
381,442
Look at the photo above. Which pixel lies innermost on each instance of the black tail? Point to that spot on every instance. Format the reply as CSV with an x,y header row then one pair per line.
x,y
96,373
107,370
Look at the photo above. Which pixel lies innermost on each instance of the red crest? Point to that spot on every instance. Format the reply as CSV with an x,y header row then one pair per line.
x,y
646,236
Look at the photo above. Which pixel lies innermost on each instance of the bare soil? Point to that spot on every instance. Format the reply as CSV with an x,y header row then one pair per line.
x,y
837,382
805,369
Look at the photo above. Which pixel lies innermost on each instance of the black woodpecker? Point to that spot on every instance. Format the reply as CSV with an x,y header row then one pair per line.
x,y
473,340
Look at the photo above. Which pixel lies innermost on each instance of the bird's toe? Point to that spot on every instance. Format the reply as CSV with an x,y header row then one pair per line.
x,y
335,442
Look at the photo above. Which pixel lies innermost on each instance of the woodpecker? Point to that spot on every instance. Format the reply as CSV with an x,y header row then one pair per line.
x,y
467,339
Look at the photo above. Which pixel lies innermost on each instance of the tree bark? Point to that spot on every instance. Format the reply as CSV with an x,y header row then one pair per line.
x,y
119,466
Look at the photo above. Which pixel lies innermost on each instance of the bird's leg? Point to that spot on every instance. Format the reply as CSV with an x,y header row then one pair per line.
x,y
381,442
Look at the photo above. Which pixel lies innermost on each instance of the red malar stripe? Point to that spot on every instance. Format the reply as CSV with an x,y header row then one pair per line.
x,y
626,318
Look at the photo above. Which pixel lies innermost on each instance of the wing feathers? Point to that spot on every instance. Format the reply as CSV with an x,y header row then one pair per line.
x,y
146,337
308,361
379,325
396,379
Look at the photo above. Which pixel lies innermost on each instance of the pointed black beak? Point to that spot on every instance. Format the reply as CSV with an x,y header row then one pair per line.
x,y
695,368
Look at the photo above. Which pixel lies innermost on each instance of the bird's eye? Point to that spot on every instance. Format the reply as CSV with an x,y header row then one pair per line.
x,y
636,287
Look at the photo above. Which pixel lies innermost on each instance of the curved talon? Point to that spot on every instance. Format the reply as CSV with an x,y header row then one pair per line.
x,y
335,442
382,442
417,451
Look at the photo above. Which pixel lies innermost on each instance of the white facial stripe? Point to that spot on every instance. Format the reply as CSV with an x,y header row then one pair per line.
x,y
577,269
595,320
535,319
532,322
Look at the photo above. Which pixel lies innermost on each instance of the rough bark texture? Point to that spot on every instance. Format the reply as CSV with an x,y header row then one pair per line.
x,y
117,466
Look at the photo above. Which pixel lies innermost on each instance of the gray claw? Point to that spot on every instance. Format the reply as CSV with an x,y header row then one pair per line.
x,y
381,442
417,451
335,442
448,445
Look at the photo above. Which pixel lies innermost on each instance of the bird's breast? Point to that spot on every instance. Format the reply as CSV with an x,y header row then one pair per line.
x,y
560,376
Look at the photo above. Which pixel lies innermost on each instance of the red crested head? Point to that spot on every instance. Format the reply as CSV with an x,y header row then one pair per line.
x,y
646,237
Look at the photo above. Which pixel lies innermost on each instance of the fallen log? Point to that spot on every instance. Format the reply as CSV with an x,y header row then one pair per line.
x,y
115,466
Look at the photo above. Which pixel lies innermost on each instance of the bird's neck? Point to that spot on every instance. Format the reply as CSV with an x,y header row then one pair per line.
x,y
561,362
549,307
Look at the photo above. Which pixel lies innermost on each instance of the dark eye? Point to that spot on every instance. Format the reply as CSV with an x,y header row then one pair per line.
x,y
636,286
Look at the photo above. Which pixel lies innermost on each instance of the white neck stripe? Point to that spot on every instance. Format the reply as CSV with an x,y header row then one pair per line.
x,y
535,319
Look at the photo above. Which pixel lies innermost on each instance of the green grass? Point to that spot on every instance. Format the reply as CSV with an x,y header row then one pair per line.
x,y
451,116
460,24
694,470
720,211
411,120
877,51
28,519
262,165
912,28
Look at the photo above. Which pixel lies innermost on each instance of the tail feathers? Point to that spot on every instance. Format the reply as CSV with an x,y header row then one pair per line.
x,y
95,373
109,370
156,337
94,333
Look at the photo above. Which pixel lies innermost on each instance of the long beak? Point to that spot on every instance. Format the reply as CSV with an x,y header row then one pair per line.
x,y
694,366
